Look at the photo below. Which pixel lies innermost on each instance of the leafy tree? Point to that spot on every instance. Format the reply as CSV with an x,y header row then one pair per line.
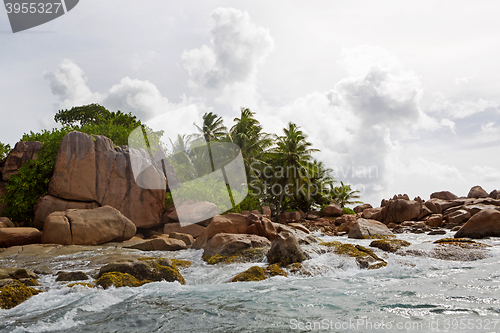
x,y
95,114
292,154
4,151
247,133
344,195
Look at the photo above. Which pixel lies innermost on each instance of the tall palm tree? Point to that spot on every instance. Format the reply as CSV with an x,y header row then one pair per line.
x,y
253,142
344,195
292,152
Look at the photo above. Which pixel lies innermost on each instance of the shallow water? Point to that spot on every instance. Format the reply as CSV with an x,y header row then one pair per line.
x,y
411,294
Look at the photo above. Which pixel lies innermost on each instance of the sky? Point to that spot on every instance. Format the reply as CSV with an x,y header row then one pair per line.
x,y
400,97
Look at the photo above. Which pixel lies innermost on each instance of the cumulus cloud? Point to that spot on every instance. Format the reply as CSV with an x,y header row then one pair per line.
x,y
229,65
459,109
69,83
360,124
486,173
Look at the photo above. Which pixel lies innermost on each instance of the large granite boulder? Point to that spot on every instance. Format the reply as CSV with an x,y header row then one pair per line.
x,y
477,192
486,223
193,212
400,210
19,236
87,227
91,169
361,208
369,229
285,250
194,230
5,222
48,204
231,223
444,195
23,152
228,244
333,209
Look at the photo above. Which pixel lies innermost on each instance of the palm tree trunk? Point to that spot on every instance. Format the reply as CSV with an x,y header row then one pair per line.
x,y
280,202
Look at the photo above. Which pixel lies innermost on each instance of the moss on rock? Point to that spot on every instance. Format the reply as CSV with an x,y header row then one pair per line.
x,y
273,270
364,256
118,280
180,264
389,245
14,294
254,273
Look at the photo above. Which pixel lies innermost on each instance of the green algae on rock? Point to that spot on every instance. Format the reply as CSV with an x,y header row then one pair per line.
x,y
118,280
254,273
257,273
365,257
274,270
152,270
389,245
14,294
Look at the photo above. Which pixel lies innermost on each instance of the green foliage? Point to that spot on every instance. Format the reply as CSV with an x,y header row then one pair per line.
x,y
95,114
4,151
250,203
33,178
344,195
348,210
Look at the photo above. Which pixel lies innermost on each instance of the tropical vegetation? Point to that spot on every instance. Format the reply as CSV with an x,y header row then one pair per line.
x,y
280,170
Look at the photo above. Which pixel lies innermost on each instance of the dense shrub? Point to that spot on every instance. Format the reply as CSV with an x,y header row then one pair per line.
x,y
4,151
348,210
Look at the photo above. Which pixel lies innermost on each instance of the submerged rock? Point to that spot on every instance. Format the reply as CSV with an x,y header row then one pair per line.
x,y
117,280
389,245
71,276
151,270
256,273
285,250
248,255
14,294
365,257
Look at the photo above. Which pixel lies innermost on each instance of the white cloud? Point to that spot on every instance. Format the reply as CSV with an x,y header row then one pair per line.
x,y
140,97
459,109
69,83
486,173
228,66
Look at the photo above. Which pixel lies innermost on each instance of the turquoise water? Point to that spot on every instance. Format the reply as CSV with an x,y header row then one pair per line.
x,y
412,294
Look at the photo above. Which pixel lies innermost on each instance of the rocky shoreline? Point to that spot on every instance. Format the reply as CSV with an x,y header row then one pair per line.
x,y
97,230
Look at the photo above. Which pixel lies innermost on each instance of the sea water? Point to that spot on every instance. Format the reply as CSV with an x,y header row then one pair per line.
x,y
413,293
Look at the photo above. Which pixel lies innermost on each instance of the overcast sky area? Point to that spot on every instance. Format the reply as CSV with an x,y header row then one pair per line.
x,y
399,96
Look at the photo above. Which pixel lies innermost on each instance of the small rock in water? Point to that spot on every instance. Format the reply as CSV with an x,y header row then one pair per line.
x,y
437,232
71,276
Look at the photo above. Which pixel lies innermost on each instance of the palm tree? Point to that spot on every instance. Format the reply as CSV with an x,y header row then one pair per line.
x,y
253,142
292,152
344,194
